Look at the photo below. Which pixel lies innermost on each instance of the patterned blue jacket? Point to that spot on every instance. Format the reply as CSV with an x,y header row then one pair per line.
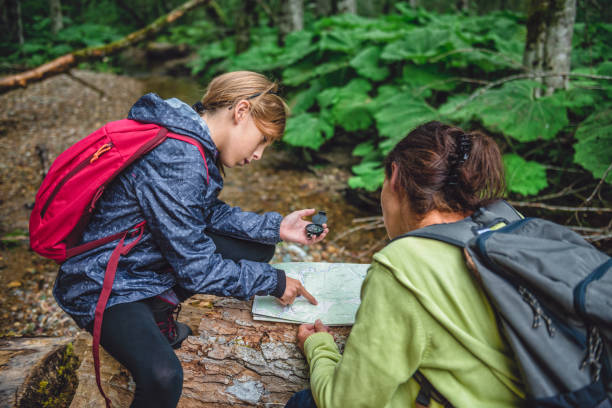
x,y
168,188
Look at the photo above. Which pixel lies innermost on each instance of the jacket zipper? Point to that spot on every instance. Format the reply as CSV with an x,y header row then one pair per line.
x,y
72,173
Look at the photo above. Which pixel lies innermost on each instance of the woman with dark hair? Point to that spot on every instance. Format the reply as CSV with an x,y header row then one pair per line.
x,y
421,309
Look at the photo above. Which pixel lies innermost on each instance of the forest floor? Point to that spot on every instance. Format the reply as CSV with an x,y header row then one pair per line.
x,y
41,121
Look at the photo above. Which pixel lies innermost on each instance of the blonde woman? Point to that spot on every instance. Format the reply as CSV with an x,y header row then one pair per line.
x,y
193,242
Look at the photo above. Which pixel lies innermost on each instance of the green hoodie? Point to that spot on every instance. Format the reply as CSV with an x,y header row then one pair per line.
x,y
420,309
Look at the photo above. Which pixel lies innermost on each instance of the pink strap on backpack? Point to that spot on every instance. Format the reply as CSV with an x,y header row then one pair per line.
x,y
107,286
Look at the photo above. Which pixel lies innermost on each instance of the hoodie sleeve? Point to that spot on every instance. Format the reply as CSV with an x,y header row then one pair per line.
x,y
170,188
232,221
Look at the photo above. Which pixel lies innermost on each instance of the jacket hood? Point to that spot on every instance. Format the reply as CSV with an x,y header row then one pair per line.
x,y
175,115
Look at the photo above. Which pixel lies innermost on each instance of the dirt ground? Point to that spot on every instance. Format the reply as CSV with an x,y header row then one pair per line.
x,y
41,121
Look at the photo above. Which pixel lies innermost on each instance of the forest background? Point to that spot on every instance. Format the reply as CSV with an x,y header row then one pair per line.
x,y
536,75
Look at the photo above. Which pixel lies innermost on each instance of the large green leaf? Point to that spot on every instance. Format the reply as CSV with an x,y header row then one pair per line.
x,y
368,175
513,110
349,105
398,115
524,177
339,40
367,64
298,74
419,45
427,77
304,100
594,147
307,130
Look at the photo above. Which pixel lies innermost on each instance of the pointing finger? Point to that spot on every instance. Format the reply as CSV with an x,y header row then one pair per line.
x,y
308,296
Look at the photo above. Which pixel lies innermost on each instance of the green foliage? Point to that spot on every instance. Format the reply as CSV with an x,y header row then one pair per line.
x,y
513,110
375,79
594,147
384,76
524,177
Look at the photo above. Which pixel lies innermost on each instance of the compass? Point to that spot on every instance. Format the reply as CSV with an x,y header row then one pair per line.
x,y
316,228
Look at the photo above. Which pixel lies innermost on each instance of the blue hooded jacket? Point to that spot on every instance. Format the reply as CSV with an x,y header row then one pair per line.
x,y
168,189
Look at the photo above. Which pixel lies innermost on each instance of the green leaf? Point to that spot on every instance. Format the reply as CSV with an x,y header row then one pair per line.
x,y
524,177
399,115
368,175
513,110
427,76
364,148
419,45
366,63
350,104
339,40
305,99
594,147
298,74
307,130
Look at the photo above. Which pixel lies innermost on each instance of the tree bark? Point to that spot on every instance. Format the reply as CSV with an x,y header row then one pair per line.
x,y
230,361
57,20
25,363
347,6
550,25
65,62
292,16
324,8
10,13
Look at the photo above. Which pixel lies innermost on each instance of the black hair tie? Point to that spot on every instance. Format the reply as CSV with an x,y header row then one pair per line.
x,y
461,154
198,107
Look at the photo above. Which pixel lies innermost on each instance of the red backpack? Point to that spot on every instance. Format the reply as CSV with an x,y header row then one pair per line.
x,y
67,197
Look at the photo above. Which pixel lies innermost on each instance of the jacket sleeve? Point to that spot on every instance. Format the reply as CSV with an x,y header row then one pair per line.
x,y
232,221
385,347
170,190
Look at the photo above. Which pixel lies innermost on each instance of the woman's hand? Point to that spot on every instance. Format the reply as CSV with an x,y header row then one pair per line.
x,y
306,330
293,228
293,289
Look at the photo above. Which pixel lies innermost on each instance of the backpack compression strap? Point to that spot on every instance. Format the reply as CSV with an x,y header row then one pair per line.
x,y
459,233
107,286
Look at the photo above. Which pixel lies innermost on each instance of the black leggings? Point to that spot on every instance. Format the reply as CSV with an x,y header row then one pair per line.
x,y
131,336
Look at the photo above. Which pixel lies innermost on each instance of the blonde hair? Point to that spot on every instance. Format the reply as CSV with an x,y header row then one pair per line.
x,y
269,111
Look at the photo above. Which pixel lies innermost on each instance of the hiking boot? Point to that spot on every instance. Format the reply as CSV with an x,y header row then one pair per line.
x,y
165,314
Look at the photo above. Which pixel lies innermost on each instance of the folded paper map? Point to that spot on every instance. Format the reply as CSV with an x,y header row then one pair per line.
x,y
336,286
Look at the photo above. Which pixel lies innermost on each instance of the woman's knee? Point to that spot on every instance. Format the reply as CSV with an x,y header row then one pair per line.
x,y
164,378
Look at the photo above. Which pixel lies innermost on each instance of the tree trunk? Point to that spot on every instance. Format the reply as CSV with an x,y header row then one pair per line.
x,y
55,12
10,14
230,361
324,8
29,370
292,16
245,19
347,6
65,62
550,25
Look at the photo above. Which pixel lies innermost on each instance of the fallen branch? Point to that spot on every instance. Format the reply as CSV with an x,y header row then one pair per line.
x,y
70,75
603,178
530,75
559,207
65,62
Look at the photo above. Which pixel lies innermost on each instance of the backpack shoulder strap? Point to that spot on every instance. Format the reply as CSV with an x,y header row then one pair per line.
x,y
493,216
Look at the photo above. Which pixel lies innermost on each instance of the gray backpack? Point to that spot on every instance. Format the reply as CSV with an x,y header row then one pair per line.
x,y
552,294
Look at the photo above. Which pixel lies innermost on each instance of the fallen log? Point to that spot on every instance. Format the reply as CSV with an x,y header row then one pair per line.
x,y
68,61
230,361
36,371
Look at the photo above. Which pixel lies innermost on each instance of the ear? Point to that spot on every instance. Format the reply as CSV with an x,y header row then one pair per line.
x,y
394,181
241,110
